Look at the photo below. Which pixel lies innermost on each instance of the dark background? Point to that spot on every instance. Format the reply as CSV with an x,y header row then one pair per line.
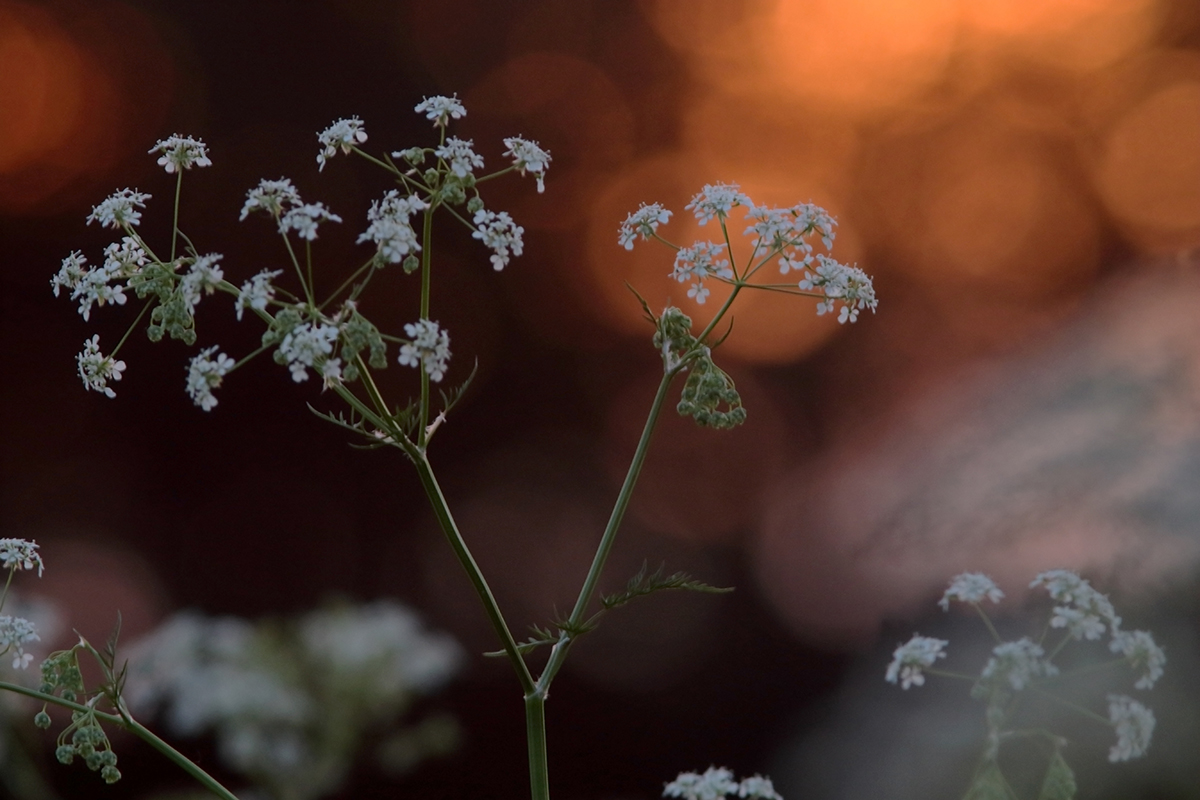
x,y
1022,179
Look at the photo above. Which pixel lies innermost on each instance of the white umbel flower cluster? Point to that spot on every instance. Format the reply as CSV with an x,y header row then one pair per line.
x,y
441,109
1135,725
1018,663
913,657
1142,652
305,218
840,283
180,153
273,197
17,554
120,209
257,292
205,374
430,347
390,228
460,155
15,633
344,135
715,201
644,222
305,345
1085,612
718,782
527,156
500,234
97,369
202,278
971,587
699,262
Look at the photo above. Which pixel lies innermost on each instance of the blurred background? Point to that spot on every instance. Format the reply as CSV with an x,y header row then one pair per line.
x,y
1021,178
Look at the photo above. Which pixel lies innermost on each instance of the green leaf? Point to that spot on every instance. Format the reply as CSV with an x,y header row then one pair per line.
x,y
989,784
642,584
541,636
1059,783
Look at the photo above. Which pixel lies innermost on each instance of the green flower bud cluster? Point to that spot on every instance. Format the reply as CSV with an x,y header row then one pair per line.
x,y
708,387
359,334
83,737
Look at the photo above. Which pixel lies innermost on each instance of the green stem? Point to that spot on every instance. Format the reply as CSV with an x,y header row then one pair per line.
x,y
446,521
558,653
133,726
426,282
175,220
535,734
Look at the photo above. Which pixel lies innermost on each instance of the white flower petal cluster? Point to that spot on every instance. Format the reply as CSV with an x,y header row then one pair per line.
x,y
718,782
715,201
125,258
715,783
1135,725
18,554
699,262
304,219
120,209
384,644
527,156
97,369
500,234
910,659
643,222
971,587
273,197
840,283
441,109
205,374
305,345
1018,663
202,278
90,287
181,152
458,153
1084,612
256,292
390,228
15,633
344,134
1140,649
430,346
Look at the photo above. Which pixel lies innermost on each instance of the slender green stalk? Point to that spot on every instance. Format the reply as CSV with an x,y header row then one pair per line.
x,y
535,735
446,521
175,220
426,283
136,728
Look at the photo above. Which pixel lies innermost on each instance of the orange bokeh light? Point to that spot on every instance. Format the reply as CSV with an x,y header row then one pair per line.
x,y
1149,174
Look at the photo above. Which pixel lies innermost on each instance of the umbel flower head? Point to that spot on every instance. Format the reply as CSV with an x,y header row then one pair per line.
x,y
180,153
344,135
914,656
718,782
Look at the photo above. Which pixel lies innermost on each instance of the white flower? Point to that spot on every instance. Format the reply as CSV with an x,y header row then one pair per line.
x,y
96,369
787,229
1135,725
18,554
716,201
498,232
698,262
644,221
119,209
304,345
205,374
758,786
850,285
909,659
331,372
343,134
390,229
273,197
71,274
203,278
15,633
1087,612
441,109
305,218
971,587
528,156
458,154
181,152
256,292
715,783
1018,663
124,259
1140,649
430,346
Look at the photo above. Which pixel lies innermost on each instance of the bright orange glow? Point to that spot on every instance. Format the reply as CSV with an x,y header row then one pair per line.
x,y
41,90
1150,172
1076,34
